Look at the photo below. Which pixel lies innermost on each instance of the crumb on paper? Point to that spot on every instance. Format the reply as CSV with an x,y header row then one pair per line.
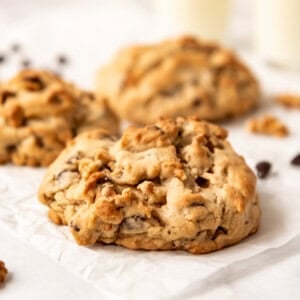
x,y
268,125
288,100
3,272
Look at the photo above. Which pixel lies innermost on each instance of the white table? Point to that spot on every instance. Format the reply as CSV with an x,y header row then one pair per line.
x,y
89,32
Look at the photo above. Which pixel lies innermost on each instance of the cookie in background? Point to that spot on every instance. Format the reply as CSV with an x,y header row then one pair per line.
x,y
40,113
178,77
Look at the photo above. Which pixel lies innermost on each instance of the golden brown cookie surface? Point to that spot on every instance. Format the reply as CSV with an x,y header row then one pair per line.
x,y
170,185
178,77
39,113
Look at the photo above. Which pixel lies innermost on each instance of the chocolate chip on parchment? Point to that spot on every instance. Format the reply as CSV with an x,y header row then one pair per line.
x,y
25,63
2,58
15,47
263,168
62,59
296,160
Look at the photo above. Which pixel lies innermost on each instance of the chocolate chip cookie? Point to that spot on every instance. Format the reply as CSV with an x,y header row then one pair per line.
x,y
39,113
178,77
175,184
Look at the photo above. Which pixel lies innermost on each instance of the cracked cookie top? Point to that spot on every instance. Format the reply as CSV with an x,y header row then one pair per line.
x,y
179,77
39,112
175,184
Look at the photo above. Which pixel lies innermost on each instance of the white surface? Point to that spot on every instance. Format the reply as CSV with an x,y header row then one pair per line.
x,y
44,261
205,18
282,45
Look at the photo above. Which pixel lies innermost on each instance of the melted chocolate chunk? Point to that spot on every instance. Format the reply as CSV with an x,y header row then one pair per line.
x,y
202,182
220,230
6,95
197,102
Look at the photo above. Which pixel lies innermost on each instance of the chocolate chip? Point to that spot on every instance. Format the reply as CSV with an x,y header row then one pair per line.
x,y
220,230
62,59
34,83
56,99
202,182
134,223
296,160
102,180
15,47
196,204
39,141
25,63
11,148
2,58
180,131
75,227
171,91
5,95
74,131
263,169
210,145
197,102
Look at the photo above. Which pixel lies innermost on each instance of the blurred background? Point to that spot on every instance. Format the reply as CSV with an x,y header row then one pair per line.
x,y
87,32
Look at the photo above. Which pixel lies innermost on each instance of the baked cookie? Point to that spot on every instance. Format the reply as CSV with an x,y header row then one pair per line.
x,y
39,113
178,77
176,184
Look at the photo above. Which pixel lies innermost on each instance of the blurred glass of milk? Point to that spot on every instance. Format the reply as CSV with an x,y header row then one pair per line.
x,y
277,31
205,18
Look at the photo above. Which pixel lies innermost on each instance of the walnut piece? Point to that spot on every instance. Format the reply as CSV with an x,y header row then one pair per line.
x,y
268,125
288,100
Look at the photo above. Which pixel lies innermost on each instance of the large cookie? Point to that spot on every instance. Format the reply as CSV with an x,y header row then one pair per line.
x,y
39,113
172,185
178,78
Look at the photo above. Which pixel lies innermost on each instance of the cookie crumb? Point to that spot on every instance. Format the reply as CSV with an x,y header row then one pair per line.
x,y
3,272
268,125
288,100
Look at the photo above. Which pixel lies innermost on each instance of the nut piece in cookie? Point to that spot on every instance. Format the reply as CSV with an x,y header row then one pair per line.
x,y
175,184
40,113
288,100
3,272
268,125
178,77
